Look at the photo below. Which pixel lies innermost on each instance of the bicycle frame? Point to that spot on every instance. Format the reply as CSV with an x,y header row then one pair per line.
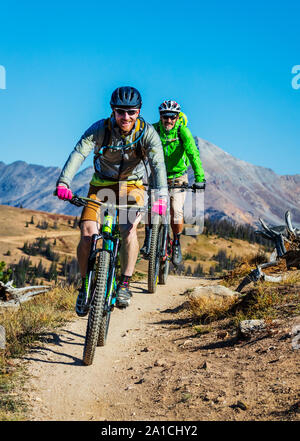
x,y
111,244
166,246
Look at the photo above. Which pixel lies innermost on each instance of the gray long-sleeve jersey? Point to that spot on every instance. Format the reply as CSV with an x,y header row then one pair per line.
x,y
118,164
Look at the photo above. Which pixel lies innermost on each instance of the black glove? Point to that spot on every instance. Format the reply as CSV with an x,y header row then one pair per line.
x,y
199,185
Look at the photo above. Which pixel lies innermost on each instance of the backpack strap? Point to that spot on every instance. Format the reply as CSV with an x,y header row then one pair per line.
x,y
107,132
179,133
106,142
140,150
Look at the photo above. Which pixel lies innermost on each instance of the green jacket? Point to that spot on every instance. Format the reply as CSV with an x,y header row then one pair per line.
x,y
180,153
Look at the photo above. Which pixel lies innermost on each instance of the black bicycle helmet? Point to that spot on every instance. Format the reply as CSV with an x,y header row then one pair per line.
x,y
126,97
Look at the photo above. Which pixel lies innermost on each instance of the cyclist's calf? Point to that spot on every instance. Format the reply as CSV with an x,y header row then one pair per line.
x,y
129,246
87,228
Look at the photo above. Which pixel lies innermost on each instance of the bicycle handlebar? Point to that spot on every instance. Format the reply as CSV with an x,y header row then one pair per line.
x,y
188,187
80,201
184,186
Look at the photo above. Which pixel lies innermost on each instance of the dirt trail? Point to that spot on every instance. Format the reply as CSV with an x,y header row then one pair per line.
x,y
61,388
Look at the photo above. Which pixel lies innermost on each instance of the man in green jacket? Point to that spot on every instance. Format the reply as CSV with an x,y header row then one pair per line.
x,y
180,151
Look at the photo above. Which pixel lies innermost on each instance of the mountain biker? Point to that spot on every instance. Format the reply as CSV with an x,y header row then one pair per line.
x,y
120,143
180,151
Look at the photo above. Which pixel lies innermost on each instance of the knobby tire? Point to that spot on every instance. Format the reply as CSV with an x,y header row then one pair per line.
x,y
103,330
97,308
163,272
164,265
154,257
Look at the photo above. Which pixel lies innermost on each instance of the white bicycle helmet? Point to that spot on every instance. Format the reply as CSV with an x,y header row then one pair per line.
x,y
169,106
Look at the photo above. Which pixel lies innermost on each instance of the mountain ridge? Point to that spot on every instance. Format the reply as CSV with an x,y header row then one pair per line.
x,y
235,189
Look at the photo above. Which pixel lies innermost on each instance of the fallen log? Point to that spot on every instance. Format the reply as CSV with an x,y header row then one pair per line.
x,y
286,254
13,297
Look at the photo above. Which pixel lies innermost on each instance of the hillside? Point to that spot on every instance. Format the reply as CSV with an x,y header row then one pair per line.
x,y
245,192
165,360
235,189
21,226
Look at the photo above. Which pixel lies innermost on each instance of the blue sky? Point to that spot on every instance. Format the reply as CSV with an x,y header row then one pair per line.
x,y
229,64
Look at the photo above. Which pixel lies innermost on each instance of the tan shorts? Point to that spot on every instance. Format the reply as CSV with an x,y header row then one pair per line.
x,y
177,198
120,193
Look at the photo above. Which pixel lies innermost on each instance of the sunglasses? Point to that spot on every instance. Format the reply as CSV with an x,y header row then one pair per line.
x,y
169,117
129,112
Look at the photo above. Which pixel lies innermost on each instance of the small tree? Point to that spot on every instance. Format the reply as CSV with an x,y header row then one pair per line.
x,y
5,275
188,271
75,223
212,271
198,271
40,270
52,274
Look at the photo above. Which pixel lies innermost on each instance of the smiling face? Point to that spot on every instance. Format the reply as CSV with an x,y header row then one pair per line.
x,y
169,120
126,118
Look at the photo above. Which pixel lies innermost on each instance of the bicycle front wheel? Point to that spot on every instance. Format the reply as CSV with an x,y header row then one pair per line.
x,y
97,307
163,272
104,325
154,257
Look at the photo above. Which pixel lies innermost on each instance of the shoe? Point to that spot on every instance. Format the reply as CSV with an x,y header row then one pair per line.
x,y
176,255
81,309
145,249
123,297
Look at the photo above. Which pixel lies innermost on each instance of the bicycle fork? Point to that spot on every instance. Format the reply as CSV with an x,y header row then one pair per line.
x,y
111,281
90,269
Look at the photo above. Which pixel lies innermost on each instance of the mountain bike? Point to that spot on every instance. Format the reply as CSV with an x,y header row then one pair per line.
x,y
100,292
160,248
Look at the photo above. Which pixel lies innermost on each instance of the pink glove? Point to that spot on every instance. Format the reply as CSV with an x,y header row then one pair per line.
x,y
64,192
159,207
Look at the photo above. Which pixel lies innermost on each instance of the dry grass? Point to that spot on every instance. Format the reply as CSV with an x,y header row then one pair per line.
x,y
248,264
23,327
206,309
265,300
262,300
268,301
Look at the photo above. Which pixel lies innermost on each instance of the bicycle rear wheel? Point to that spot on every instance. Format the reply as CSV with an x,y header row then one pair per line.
x,y
163,272
97,307
164,265
154,256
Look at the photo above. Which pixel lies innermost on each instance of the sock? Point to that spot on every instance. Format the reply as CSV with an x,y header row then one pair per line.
x,y
147,233
84,283
177,239
124,280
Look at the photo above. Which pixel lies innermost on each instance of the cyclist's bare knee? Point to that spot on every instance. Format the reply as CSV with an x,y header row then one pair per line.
x,y
87,229
129,234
